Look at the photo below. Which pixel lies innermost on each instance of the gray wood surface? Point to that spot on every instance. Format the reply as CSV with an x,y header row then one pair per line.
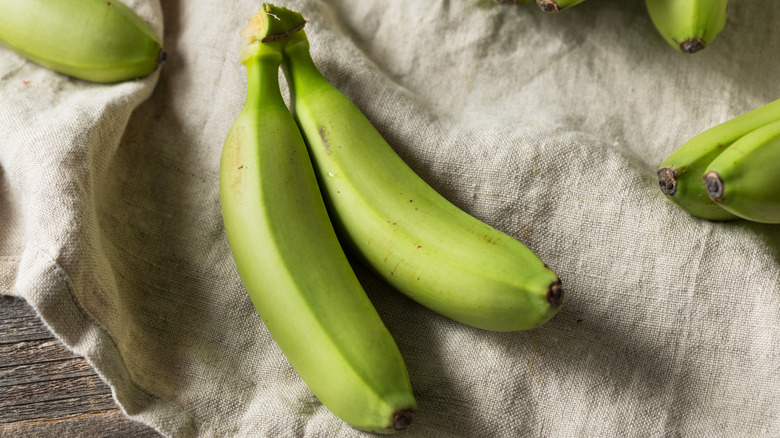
x,y
47,391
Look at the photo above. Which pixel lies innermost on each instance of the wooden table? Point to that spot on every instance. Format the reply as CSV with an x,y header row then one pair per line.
x,y
45,390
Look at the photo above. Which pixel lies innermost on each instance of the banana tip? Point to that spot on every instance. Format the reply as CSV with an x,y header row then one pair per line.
x,y
403,419
161,56
692,45
667,180
550,6
555,294
714,185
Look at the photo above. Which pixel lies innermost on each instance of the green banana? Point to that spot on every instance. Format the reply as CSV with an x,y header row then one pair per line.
x,y
555,6
401,227
745,178
688,25
679,176
289,258
93,40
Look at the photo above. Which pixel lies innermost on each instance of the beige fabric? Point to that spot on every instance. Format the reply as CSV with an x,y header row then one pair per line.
x,y
547,127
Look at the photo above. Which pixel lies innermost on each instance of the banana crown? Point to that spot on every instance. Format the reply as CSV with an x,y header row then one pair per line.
x,y
268,25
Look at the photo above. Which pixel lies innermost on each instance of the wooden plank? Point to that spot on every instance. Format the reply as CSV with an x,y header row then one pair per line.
x,y
45,371
51,408
29,352
46,390
103,424
75,387
18,322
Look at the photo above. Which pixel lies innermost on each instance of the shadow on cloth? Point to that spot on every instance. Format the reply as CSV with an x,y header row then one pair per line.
x,y
160,224
770,234
467,380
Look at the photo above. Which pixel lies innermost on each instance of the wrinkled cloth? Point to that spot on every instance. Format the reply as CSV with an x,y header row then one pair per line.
x,y
547,127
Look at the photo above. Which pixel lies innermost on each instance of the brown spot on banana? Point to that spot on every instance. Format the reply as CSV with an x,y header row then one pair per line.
x,y
234,147
324,137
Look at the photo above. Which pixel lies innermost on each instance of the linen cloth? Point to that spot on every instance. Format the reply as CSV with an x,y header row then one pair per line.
x,y
549,128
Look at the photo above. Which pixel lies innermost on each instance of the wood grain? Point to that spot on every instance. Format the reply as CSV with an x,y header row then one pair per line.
x,y
46,390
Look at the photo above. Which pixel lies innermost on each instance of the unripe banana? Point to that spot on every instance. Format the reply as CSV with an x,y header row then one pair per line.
x,y
745,178
688,25
289,258
555,6
402,228
679,176
93,40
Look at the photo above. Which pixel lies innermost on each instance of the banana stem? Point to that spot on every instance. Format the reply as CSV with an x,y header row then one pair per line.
x,y
299,67
263,80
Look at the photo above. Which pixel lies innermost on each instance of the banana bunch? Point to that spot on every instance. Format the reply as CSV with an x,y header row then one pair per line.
x,y
93,40
688,25
729,171
295,190
289,258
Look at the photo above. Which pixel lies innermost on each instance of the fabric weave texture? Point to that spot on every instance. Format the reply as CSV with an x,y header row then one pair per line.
x,y
547,127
